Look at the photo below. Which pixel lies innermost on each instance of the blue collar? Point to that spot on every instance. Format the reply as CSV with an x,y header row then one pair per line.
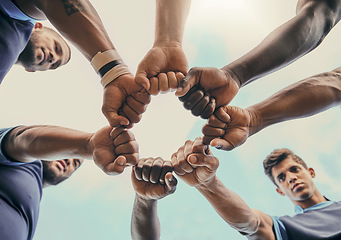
x,y
9,8
299,209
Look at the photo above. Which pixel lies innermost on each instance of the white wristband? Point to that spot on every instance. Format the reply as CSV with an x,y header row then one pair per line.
x,y
109,66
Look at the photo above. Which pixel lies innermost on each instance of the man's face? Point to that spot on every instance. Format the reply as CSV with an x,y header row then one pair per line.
x,y
45,50
293,180
54,172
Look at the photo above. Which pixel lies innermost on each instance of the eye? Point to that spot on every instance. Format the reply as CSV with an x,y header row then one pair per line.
x,y
294,169
281,178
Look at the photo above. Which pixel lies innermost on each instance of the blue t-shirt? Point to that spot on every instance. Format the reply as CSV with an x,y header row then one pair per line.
x,y
16,29
20,195
321,221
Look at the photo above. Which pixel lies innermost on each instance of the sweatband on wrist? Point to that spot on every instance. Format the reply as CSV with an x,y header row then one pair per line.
x,y
109,66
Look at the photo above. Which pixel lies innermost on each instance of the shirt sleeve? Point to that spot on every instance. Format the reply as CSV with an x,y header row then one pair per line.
x,y
279,229
3,159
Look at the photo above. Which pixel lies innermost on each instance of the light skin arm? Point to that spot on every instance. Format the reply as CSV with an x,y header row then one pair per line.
x,y
230,126
196,165
295,38
111,154
152,180
166,54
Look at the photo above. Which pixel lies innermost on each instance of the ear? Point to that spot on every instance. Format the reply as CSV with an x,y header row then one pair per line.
x,y
312,172
280,191
38,25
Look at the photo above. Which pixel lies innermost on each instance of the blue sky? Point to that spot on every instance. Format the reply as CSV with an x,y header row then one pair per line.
x,y
91,205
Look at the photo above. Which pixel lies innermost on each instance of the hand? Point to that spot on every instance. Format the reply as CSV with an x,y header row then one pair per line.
x,y
160,59
195,164
228,128
214,83
165,82
114,149
152,178
124,101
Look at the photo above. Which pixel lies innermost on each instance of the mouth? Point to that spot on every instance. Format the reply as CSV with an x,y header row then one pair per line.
x,y
61,165
296,187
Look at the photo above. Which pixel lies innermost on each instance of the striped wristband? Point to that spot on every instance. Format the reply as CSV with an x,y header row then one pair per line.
x,y
109,66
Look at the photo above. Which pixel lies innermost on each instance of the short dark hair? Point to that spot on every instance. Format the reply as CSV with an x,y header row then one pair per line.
x,y
277,156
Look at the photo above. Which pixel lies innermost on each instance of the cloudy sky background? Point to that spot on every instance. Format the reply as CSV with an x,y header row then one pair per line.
x,y
92,205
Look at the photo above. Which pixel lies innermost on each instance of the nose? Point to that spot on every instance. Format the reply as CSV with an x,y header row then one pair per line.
x,y
292,177
52,58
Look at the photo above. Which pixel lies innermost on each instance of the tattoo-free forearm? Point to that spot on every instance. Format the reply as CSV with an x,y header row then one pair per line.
x,y
145,222
28,143
287,43
302,99
170,20
78,21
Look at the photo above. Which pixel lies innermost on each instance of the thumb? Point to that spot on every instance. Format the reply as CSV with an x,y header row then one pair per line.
x,y
201,160
222,144
114,119
142,80
186,83
116,167
171,182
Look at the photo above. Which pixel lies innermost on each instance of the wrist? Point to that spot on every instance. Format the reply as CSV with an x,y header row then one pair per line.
x,y
208,185
231,75
144,201
255,124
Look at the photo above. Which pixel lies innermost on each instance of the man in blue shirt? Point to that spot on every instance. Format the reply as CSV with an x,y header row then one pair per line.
x,y
28,43
23,176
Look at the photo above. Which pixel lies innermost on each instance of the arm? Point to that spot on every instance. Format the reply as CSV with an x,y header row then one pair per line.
x,y
152,180
231,126
78,21
287,43
195,164
111,154
166,54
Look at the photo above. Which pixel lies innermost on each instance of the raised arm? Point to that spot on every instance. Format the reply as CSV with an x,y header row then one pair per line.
x,y
166,60
230,126
78,21
152,180
111,154
287,43
195,164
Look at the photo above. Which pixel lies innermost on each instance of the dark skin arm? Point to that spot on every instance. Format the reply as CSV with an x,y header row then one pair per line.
x,y
292,40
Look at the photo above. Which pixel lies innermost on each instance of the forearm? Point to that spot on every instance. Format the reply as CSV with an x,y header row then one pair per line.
x,y
231,207
302,99
145,222
170,21
288,42
78,21
28,143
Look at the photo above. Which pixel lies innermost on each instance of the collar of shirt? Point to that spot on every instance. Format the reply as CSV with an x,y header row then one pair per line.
x,y
320,205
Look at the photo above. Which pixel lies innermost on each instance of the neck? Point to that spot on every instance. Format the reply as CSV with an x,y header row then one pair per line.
x,y
316,198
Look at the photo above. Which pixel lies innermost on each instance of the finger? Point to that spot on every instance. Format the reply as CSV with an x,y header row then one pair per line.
x,y
207,140
222,115
138,169
198,146
178,170
114,119
189,93
135,105
166,168
133,116
156,170
124,137
193,99
163,82
116,132
191,79
147,167
213,121
154,86
198,109
172,80
127,148
132,158
212,131
171,183
222,144
142,80
142,96
116,167
183,164
209,109
202,160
